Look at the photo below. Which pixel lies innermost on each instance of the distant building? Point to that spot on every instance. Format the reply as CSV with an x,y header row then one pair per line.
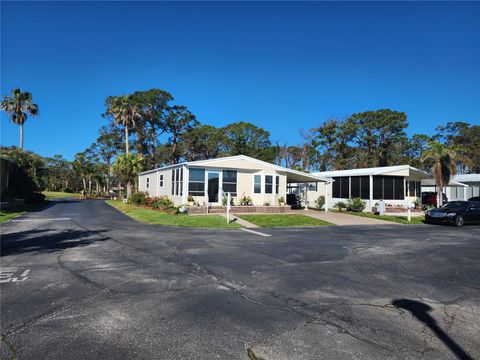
x,y
461,187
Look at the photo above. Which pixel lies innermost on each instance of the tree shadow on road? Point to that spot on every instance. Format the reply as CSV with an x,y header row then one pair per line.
x,y
421,311
48,240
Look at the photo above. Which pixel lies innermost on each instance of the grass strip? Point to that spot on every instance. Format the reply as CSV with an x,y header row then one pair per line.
x,y
49,195
283,220
394,218
152,216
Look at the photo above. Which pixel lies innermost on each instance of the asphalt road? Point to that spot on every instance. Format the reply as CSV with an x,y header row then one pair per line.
x,y
82,281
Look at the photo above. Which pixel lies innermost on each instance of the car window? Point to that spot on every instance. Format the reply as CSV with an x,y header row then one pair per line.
x,y
475,205
455,205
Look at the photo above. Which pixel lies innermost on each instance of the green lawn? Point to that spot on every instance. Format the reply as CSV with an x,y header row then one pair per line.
x,y
59,195
394,218
12,211
283,220
151,216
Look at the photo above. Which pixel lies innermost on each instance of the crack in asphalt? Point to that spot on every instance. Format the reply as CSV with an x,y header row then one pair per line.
x,y
235,288
11,346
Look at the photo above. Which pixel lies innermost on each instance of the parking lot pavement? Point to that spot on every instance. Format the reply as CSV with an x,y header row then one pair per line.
x,y
100,285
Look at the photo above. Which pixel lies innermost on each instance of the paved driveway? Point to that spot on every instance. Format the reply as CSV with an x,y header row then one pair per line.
x,y
82,281
343,219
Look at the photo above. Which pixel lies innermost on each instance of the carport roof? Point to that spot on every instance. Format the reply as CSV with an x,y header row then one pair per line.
x,y
431,182
383,170
467,178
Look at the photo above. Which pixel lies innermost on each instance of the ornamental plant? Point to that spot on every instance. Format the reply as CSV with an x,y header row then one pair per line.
x,y
356,205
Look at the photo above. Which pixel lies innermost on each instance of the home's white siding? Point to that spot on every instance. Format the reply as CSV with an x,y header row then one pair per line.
x,y
156,179
245,186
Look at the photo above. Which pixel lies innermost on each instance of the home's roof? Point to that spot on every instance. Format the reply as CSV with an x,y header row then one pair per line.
x,y
293,175
383,170
431,182
467,178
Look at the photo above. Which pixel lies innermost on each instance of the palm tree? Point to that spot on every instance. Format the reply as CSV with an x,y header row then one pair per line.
x,y
444,167
18,106
128,166
124,111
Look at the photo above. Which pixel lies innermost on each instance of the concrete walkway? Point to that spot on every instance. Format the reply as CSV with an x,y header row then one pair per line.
x,y
343,219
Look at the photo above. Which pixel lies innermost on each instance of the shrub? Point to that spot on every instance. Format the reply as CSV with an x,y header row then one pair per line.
x,y
225,199
341,205
320,202
138,198
149,201
246,200
163,203
356,205
190,198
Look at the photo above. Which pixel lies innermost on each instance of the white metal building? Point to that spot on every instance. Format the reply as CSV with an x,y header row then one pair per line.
x,y
396,185
461,187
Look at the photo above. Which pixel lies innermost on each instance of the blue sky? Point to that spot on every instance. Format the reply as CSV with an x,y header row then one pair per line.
x,y
280,65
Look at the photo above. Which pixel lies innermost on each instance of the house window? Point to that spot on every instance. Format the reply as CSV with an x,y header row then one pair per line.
x,y
196,182
257,184
359,187
336,187
341,187
388,187
148,182
355,187
398,188
268,184
160,181
229,182
177,181
313,186
377,187
411,188
180,184
277,184
365,187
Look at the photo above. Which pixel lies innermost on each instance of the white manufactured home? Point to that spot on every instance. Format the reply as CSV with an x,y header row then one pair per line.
x,y
208,181
396,185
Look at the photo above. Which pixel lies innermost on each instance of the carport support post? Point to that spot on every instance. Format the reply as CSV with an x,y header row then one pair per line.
x,y
370,185
229,198
325,194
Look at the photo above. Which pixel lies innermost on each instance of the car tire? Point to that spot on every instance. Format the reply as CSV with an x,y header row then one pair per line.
x,y
459,221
